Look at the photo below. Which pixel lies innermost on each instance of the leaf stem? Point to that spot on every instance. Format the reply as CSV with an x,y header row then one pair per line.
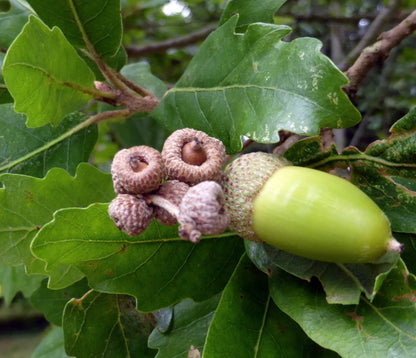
x,y
114,77
164,204
362,157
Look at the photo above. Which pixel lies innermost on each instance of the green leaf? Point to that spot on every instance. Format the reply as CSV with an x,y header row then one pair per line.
x,y
52,302
140,74
409,251
383,328
12,22
95,20
190,325
157,267
254,84
52,345
27,203
343,283
140,130
385,171
15,279
45,75
33,151
251,11
121,327
248,324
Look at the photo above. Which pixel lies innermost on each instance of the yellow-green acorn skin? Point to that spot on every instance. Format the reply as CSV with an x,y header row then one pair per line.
x,y
312,214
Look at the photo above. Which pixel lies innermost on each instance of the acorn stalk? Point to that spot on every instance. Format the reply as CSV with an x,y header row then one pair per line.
x,y
304,211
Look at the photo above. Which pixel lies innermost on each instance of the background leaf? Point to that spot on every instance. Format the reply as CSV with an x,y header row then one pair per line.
x,y
251,11
123,329
190,325
12,22
33,151
52,302
51,85
254,84
52,345
384,328
14,279
27,203
99,20
157,267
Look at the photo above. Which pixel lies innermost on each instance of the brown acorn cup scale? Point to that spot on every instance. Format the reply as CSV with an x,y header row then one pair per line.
x,y
304,211
189,158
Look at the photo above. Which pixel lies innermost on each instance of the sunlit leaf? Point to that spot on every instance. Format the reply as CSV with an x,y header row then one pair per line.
x,y
45,75
255,84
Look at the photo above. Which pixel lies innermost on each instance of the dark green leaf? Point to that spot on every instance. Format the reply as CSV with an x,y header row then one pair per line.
x,y
385,171
123,329
45,86
27,203
383,328
12,22
52,302
157,267
98,21
190,325
52,345
251,11
409,252
33,151
254,84
5,96
248,324
15,279
343,283
140,130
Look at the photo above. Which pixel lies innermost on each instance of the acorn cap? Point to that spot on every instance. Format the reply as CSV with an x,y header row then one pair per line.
x,y
137,170
242,180
130,213
176,168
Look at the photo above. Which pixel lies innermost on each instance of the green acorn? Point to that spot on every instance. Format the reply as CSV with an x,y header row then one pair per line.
x,y
304,211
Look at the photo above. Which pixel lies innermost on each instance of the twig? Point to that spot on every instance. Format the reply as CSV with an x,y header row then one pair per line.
x,y
162,46
377,52
383,17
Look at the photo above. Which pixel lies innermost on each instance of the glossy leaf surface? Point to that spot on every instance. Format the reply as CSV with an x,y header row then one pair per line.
x,y
188,329
263,86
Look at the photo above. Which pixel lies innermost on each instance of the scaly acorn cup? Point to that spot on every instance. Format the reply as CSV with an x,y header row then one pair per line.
x,y
304,211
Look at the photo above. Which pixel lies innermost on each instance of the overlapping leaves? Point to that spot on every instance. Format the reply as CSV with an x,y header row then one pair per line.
x,y
28,203
157,267
33,151
383,328
244,88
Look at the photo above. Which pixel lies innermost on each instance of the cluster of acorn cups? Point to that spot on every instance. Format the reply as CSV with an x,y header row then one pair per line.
x,y
178,185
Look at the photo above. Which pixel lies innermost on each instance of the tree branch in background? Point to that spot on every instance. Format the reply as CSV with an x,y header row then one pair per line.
x,y
162,46
377,52
376,27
